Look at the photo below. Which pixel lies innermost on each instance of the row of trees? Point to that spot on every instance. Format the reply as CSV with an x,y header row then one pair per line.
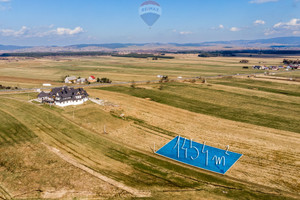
x,y
288,62
2,87
103,80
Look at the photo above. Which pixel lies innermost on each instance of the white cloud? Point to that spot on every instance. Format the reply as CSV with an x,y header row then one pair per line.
x,y
270,32
220,27
286,28
4,5
185,32
262,1
9,32
292,24
234,29
67,31
31,33
259,22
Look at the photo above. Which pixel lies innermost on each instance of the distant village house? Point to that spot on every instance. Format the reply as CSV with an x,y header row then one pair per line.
x,y
92,79
70,79
73,79
81,80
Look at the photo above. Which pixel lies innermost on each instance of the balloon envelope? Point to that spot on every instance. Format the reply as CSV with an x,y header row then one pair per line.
x,y
150,12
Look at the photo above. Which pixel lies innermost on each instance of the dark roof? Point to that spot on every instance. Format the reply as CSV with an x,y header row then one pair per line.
x,y
42,94
64,93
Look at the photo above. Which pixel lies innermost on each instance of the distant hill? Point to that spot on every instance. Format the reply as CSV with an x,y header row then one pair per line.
x,y
109,46
279,42
11,47
293,41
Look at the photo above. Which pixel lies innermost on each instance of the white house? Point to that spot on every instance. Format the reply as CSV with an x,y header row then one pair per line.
x,y
70,79
81,80
64,96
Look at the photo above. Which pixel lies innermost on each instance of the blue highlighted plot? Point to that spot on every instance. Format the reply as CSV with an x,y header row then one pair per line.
x,y
199,155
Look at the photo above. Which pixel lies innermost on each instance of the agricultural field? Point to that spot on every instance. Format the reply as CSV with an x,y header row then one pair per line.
x,y
32,73
106,151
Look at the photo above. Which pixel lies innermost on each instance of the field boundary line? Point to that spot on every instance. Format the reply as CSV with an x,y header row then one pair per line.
x,y
135,192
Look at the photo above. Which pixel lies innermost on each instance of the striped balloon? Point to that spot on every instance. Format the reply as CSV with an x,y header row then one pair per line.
x,y
150,12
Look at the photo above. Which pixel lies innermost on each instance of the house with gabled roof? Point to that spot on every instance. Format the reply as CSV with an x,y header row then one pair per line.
x,y
70,79
64,96
92,79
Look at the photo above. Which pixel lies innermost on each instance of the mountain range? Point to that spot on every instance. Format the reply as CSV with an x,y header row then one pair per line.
x,y
271,43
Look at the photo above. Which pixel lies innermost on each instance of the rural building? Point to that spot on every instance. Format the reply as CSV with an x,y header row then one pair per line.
x,y
64,96
81,80
70,79
92,79
293,67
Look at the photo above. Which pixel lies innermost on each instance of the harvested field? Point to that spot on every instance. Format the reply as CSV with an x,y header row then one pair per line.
x,y
263,147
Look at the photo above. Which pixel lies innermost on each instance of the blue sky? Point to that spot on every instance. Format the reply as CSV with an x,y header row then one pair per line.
x,y
64,22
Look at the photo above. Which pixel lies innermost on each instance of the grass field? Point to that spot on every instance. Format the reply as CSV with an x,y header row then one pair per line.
x,y
256,117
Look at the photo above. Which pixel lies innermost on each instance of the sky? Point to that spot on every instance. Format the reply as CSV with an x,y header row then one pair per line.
x,y
66,22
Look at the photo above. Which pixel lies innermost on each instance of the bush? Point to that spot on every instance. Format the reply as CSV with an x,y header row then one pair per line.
x,y
160,87
132,85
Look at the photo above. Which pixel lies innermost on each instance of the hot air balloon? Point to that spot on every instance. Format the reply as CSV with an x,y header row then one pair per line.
x,y
150,12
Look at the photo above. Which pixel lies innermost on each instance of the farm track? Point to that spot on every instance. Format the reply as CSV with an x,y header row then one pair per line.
x,y
5,194
133,191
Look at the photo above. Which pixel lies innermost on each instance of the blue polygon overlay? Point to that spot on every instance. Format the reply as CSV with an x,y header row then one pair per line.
x,y
199,155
